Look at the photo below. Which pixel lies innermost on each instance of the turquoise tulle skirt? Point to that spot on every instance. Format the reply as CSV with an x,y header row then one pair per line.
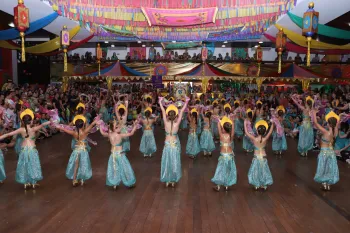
x,y
105,115
259,174
74,142
171,162
28,166
306,137
119,170
327,167
148,144
125,141
247,144
192,147
207,141
18,144
2,167
226,172
84,172
278,143
239,127
184,122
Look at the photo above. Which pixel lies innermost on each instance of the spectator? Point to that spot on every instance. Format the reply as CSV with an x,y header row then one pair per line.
x,y
227,57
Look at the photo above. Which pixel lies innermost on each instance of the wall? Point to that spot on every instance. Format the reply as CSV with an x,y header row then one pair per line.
x,y
5,65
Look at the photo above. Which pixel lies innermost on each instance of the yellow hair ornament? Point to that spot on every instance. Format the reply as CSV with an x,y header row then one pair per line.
x,y
215,102
79,117
281,108
248,111
258,102
27,112
261,123
225,120
237,102
121,106
80,105
194,110
223,99
20,102
172,107
172,99
332,114
227,106
148,109
309,98
147,97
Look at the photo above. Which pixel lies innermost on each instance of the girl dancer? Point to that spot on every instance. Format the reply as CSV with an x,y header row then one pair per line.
x,y
171,160
80,111
28,170
238,120
119,168
226,173
214,127
122,113
327,167
227,113
79,165
306,132
2,164
206,141
279,142
248,145
148,144
193,147
259,173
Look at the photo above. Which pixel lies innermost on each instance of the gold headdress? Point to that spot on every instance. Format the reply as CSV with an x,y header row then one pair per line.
x,y
172,99
332,114
194,110
80,105
79,117
237,102
248,111
309,98
258,102
148,109
215,102
225,120
281,108
121,106
27,112
227,106
172,107
147,97
263,123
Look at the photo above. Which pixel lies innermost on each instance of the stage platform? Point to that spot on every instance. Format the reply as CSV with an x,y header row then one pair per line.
x,y
294,203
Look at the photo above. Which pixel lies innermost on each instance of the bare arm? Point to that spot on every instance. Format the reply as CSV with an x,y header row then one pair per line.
x,y
87,130
182,111
18,131
270,132
219,128
132,131
297,103
251,137
317,125
70,132
39,127
104,134
162,108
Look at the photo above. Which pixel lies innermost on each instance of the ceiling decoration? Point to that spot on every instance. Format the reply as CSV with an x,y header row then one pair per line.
x,y
159,20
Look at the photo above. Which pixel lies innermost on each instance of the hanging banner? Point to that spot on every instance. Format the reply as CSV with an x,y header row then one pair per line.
x,y
137,53
157,81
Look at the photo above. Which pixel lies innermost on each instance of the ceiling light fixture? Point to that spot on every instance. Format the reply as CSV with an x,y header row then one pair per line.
x,y
112,45
139,42
223,46
106,42
143,45
190,41
349,24
260,42
12,24
225,42
174,41
255,46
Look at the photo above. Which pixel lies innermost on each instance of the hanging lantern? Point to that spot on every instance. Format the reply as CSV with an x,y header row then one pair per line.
x,y
310,27
64,44
109,81
259,55
281,40
21,18
99,56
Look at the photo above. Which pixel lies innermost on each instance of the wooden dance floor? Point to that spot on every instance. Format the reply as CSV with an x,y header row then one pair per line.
x,y
294,203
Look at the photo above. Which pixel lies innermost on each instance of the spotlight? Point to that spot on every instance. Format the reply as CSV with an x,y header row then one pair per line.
x,y
112,45
190,41
255,46
143,45
11,24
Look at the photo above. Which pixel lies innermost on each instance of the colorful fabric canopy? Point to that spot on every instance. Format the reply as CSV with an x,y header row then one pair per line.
x,y
13,33
322,29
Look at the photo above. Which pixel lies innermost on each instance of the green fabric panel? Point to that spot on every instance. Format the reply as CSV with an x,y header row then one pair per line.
x,y
322,29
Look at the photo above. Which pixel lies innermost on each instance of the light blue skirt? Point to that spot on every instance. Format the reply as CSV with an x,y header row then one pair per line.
x,y
18,144
226,172
239,127
28,166
207,141
2,167
125,141
148,144
199,126
327,167
306,137
84,165
259,174
247,144
193,147
171,162
278,143
119,170
214,130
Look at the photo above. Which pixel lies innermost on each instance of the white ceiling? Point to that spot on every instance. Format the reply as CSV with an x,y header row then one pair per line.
x,y
329,10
